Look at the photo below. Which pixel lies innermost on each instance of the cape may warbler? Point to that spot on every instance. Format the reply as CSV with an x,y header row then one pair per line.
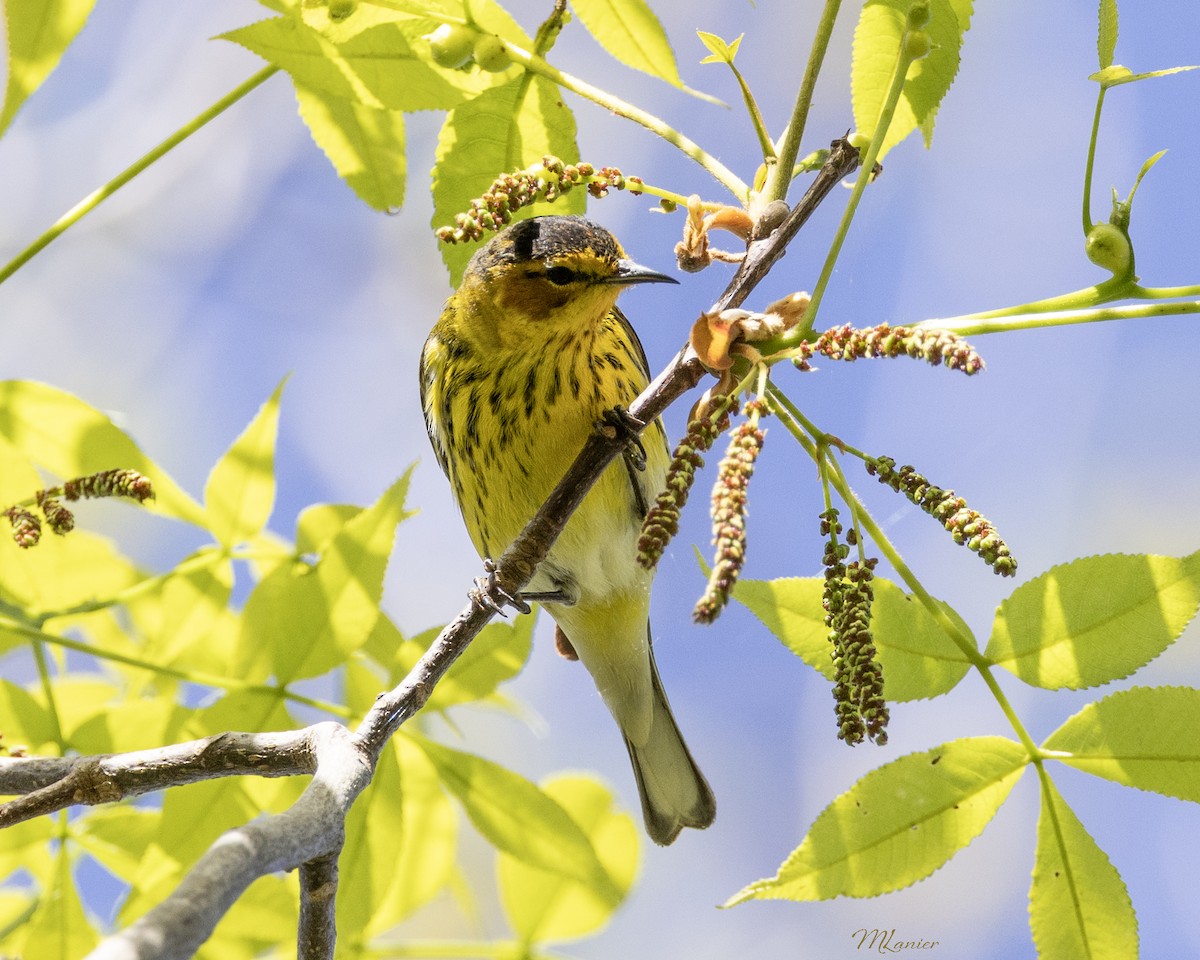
x,y
528,355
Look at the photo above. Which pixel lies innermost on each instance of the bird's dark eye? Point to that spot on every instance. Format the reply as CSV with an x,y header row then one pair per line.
x,y
560,276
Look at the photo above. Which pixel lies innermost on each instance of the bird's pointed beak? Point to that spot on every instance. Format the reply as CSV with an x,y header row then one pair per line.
x,y
629,272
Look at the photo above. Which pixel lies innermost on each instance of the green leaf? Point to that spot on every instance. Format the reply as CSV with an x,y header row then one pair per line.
x,y
877,43
71,439
39,32
1106,40
898,823
629,30
380,67
506,128
1115,75
264,917
400,843
318,524
24,721
240,491
59,928
546,907
124,725
191,626
1095,619
517,817
63,573
364,144
301,621
918,657
1078,904
1144,737
721,51
116,836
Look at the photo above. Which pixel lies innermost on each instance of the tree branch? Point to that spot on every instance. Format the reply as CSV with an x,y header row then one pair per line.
x,y
310,834
54,783
312,829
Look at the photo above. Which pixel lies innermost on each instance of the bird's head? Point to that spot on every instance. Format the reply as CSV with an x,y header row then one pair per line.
x,y
544,274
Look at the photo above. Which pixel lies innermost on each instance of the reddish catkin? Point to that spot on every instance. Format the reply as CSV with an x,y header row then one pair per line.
x,y
729,516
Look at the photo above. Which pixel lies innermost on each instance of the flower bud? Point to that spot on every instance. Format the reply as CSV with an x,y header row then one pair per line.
x,y
1108,246
450,45
491,54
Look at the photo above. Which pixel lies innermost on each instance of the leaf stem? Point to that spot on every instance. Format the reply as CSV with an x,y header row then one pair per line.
x,y
780,177
1091,161
726,177
47,682
865,173
40,638
98,196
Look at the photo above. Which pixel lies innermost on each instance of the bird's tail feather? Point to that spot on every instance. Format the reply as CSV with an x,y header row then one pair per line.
x,y
673,790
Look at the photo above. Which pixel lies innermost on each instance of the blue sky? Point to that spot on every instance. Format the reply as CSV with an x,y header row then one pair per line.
x,y
181,302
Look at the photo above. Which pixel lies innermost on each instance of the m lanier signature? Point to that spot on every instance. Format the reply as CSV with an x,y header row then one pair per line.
x,y
885,941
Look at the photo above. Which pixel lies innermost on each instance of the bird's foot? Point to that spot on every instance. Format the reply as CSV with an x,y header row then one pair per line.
x,y
619,422
491,595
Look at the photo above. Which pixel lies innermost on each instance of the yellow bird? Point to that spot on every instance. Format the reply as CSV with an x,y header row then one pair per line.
x,y
529,354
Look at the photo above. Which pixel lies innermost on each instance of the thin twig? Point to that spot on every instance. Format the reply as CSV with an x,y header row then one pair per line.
x,y
48,784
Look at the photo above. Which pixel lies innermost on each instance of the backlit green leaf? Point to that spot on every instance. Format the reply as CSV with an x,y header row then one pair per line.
x,y
919,659
70,439
380,67
409,838
721,51
191,626
38,32
1095,619
1106,40
364,144
898,823
1079,908
320,523
301,621
24,721
508,128
517,817
629,30
543,906
1145,737
116,836
264,916
64,573
59,928
877,43
240,491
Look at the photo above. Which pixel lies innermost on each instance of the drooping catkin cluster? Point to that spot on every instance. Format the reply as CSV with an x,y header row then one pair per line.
x,y
861,711
27,528
968,527
729,513
935,347
545,181
662,519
